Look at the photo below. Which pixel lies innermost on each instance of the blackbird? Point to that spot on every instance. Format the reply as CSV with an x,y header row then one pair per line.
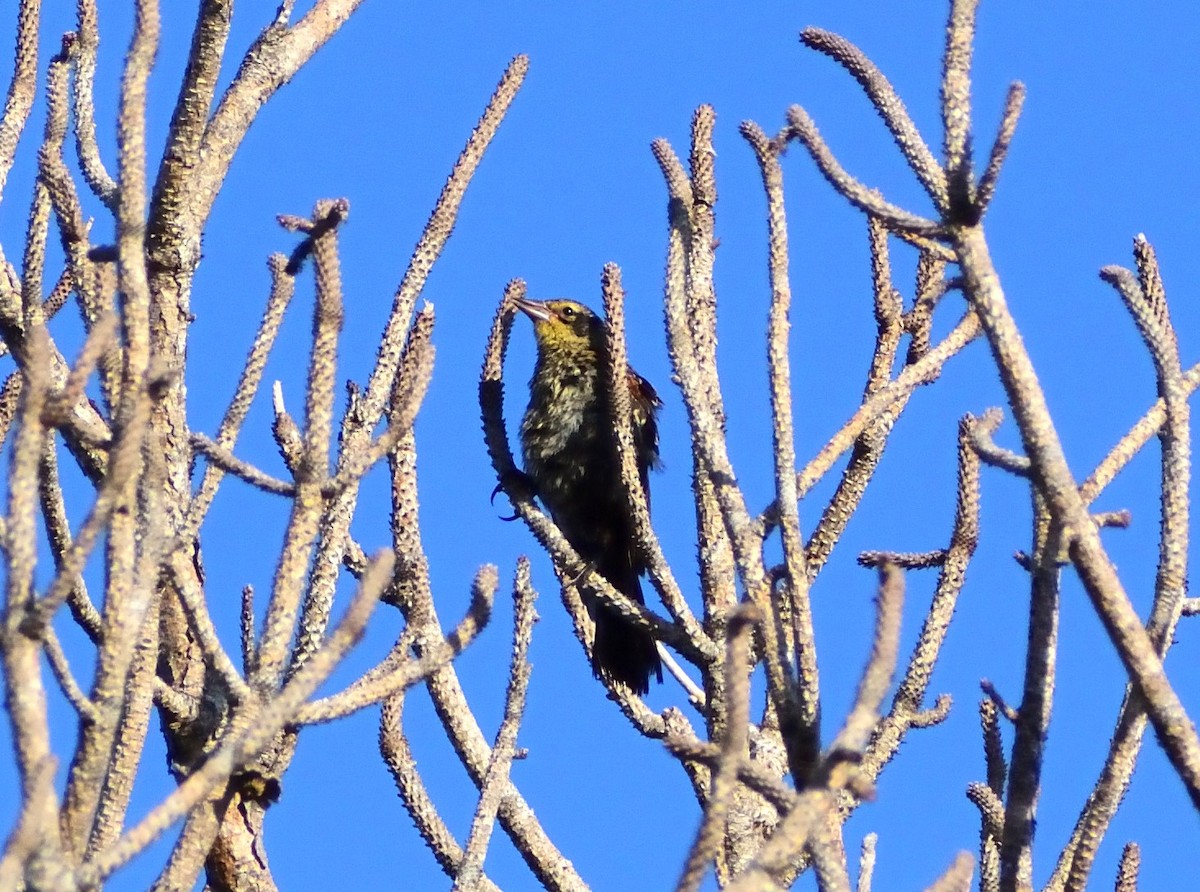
x,y
570,457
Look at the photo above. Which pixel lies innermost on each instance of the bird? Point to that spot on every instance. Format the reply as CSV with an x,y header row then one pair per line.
x,y
570,458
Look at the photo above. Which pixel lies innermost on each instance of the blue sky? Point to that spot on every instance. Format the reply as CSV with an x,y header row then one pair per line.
x,y
1105,149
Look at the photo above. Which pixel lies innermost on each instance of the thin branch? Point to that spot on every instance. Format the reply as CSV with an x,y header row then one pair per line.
x,y
868,447
905,560
87,150
956,112
622,421
695,693
504,750
25,695
1031,722
283,288
374,688
957,877
1146,301
1132,442
551,868
253,729
877,677
867,200
402,763
738,666
1128,869
22,88
58,533
993,745
906,710
312,472
795,584
991,809
66,678
750,772
1051,472
991,453
437,232
828,853
126,602
889,106
191,595
998,700
36,822
1004,136
866,862
916,375
220,458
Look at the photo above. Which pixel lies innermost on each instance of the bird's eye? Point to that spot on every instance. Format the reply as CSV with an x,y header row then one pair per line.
x,y
568,312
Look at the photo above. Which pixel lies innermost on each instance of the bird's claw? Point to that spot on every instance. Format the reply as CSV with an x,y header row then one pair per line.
x,y
516,485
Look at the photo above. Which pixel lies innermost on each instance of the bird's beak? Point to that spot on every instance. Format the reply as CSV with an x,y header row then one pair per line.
x,y
534,309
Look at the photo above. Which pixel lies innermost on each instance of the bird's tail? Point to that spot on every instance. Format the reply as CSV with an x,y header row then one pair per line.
x,y
623,652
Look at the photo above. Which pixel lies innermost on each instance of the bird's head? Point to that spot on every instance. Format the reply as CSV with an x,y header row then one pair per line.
x,y
563,324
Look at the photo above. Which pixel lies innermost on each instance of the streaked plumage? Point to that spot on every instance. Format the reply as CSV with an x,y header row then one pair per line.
x,y
570,457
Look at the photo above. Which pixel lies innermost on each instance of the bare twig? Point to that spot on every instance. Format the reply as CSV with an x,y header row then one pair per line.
x,y
1127,870
470,870
254,730
866,862
957,877
889,106
402,764
1004,136
1176,732
22,87
877,677
733,750
373,688
956,112
867,200
794,587
622,420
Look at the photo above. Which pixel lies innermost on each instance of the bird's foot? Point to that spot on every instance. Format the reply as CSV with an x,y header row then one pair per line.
x,y
518,486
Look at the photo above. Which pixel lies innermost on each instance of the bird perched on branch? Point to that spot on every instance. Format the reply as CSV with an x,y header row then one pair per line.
x,y
570,456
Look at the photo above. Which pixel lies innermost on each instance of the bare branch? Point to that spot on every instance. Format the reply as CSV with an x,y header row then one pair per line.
x,y
622,420
1052,474
866,862
437,231
712,829
956,112
993,745
470,870
254,730
374,688
402,764
889,106
22,87
795,583
867,200
750,772
1127,871
283,288
957,877
94,172
877,677
922,372
1031,722
1146,300
1004,136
